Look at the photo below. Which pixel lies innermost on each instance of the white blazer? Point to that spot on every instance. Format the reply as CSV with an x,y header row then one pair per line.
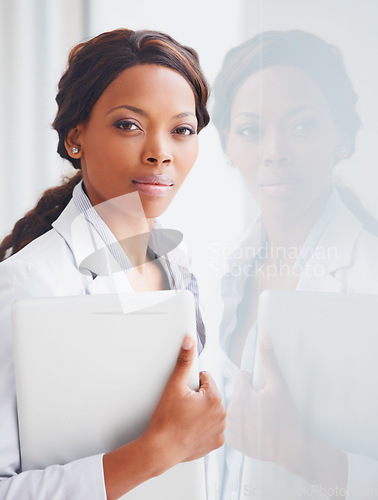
x,y
70,259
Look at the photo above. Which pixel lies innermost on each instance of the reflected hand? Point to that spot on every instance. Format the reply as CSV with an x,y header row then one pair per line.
x,y
265,424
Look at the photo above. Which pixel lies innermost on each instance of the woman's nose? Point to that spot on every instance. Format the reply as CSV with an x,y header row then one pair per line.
x,y
159,159
276,150
157,153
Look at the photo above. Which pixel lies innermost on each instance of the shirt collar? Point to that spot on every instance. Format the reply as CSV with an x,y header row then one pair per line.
x,y
85,207
254,245
327,215
161,242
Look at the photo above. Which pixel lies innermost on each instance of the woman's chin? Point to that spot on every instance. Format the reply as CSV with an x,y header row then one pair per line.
x,y
154,206
294,204
280,199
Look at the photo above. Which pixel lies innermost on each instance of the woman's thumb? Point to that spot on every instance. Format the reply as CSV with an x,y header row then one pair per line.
x,y
184,360
270,366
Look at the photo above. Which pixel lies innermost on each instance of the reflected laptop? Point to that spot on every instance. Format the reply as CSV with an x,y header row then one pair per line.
x,y
326,345
89,374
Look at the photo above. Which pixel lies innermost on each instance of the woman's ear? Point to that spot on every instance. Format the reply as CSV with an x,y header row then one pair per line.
x,y
72,143
225,137
343,147
342,154
224,140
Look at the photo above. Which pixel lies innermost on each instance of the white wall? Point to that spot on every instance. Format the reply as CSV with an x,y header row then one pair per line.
x,y
36,37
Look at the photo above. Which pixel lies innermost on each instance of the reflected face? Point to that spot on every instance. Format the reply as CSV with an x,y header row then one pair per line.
x,y
283,138
141,137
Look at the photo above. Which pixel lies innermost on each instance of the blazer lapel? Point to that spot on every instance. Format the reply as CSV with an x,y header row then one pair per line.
x,y
92,257
334,251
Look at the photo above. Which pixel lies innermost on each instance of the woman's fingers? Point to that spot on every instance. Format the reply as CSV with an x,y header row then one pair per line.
x,y
184,362
243,381
265,423
189,424
238,411
207,384
271,369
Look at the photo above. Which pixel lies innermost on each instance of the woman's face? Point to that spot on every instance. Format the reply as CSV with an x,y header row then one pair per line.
x,y
141,137
283,139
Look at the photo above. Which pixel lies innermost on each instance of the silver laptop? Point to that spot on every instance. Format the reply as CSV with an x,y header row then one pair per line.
x,y
326,345
89,375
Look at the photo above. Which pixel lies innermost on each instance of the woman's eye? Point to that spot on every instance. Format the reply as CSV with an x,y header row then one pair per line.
x,y
305,126
184,131
126,125
249,131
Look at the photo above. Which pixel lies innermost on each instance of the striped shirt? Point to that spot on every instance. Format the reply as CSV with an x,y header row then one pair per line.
x,y
162,246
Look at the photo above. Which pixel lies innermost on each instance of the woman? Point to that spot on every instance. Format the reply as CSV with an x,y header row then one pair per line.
x,y
285,112
130,106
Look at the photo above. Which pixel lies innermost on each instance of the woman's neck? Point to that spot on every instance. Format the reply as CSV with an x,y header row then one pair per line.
x,y
133,236
289,229
125,218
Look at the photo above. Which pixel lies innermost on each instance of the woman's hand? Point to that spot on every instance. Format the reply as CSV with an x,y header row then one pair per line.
x,y
185,425
190,423
265,424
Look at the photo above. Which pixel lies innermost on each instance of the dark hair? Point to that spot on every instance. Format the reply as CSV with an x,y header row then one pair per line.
x,y
321,60
92,67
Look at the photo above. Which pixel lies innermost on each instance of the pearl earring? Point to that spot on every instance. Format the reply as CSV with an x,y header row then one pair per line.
x,y
75,150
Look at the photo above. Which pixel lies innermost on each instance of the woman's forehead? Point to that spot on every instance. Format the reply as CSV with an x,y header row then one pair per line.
x,y
280,88
149,75
142,85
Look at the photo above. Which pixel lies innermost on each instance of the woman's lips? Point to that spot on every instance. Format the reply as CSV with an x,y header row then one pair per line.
x,y
153,185
279,185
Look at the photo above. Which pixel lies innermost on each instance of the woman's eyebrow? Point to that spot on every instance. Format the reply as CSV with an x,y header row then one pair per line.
x,y
299,109
248,115
130,108
144,113
183,115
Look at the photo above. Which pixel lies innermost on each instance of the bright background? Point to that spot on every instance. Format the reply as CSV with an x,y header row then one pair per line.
x,y
211,209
